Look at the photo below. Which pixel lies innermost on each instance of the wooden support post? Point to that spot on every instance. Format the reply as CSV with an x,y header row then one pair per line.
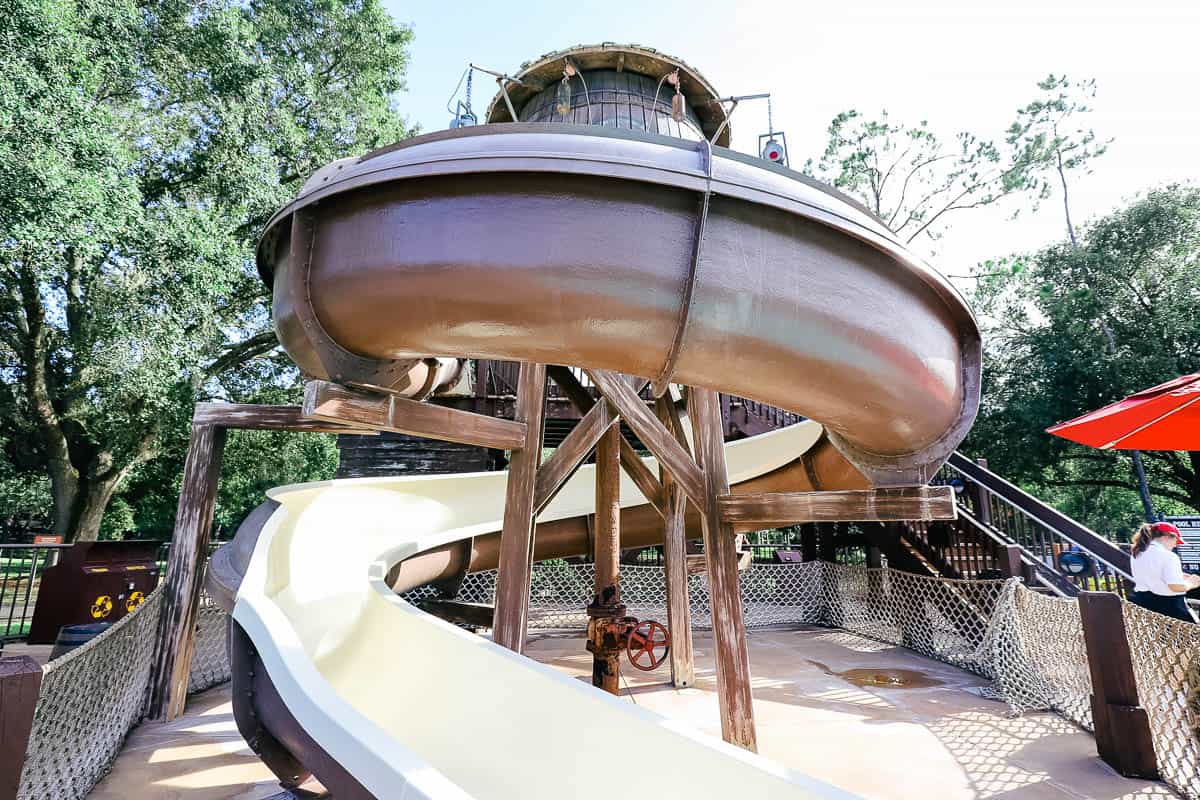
x,y
808,542
679,621
20,683
189,549
1009,560
826,543
606,608
516,537
1123,737
729,630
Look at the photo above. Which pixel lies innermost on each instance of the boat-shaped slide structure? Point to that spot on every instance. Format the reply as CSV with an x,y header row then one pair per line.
x,y
619,250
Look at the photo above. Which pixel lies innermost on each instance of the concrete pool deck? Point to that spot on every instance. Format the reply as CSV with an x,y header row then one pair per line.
x,y
938,739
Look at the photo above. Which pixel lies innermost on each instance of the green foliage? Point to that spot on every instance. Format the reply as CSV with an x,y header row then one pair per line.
x,y
143,144
1077,327
909,177
1049,133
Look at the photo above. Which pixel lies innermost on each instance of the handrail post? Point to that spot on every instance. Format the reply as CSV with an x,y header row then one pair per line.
x,y
20,684
983,509
1009,558
1123,738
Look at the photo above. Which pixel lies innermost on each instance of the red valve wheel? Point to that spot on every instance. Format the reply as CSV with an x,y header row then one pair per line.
x,y
648,646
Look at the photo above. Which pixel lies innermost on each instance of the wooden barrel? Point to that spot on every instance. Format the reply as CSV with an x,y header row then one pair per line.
x,y
73,636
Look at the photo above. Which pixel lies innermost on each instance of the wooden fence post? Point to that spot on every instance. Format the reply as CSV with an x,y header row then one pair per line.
x,y
1009,559
516,537
189,548
1123,737
20,683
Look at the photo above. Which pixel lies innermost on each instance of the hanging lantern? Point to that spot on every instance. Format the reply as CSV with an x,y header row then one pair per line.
x,y
562,97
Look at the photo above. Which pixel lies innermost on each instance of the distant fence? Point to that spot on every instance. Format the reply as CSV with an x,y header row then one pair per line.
x,y
21,568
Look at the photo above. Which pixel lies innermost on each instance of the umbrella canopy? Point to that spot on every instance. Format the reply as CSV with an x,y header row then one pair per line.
x,y
1165,417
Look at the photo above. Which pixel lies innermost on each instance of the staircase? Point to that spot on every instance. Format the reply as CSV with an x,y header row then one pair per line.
x,y
1003,531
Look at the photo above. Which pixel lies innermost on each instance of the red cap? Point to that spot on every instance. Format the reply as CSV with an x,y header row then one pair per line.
x,y
1166,527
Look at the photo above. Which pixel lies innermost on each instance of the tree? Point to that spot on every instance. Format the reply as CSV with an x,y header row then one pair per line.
x,y
910,178
1049,133
143,144
1132,280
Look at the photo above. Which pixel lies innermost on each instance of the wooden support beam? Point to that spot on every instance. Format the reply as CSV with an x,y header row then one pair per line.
x,y
631,462
333,403
185,564
679,622
1123,737
251,417
568,456
652,433
516,536
20,685
753,512
606,607
729,630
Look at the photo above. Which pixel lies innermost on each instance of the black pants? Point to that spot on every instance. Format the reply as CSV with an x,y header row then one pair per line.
x,y
1171,606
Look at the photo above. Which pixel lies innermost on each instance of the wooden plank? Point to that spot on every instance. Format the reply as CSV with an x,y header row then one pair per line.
x,y
776,509
568,456
679,622
333,403
20,684
1123,738
729,631
249,416
515,565
189,548
652,433
631,462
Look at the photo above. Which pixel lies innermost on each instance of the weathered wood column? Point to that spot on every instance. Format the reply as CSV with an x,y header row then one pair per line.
x,y
20,684
729,631
606,607
679,619
1123,738
181,587
516,537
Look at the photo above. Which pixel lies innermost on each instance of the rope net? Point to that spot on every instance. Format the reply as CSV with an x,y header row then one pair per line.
x,y
94,695
1166,665
1028,644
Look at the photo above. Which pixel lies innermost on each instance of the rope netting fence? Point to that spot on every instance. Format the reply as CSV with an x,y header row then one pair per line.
x,y
1029,645
94,695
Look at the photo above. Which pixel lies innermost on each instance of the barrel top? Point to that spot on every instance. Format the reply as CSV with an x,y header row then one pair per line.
x,y
537,75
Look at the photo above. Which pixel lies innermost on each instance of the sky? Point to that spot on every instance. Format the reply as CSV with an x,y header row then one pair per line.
x,y
963,65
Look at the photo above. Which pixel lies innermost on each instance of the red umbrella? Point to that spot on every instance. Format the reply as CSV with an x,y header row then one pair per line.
x,y
1165,417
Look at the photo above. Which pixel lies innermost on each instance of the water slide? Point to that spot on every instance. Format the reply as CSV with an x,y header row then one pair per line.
x,y
630,252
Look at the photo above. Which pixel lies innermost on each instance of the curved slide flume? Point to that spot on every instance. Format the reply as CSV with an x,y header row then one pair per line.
x,y
607,250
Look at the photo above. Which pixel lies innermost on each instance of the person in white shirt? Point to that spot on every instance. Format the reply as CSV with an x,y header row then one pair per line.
x,y
1159,582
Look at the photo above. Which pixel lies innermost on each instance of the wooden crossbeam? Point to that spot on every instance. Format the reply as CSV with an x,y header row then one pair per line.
x,y
251,417
774,509
631,462
479,615
333,403
654,435
566,458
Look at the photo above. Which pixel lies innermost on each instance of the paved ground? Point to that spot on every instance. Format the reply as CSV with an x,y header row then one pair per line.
x,y
921,734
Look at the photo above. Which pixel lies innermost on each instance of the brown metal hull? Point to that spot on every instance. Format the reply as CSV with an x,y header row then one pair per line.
x,y
536,243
